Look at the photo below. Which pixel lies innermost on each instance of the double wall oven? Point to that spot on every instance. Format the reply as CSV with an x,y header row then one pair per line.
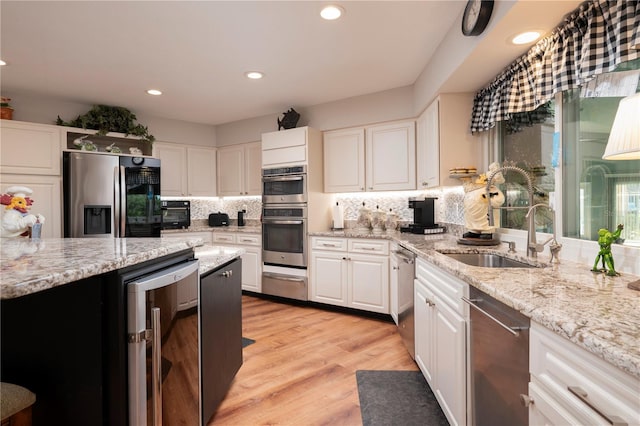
x,y
284,232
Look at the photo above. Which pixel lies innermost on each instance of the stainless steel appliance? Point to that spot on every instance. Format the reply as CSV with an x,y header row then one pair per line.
x,y
285,282
111,196
181,363
406,274
284,185
284,234
176,214
499,361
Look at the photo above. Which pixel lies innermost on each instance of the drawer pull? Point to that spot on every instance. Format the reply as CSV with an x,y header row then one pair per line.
x,y
583,396
368,248
329,245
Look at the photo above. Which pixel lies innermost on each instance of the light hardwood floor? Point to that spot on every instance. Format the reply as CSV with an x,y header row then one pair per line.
x,y
301,370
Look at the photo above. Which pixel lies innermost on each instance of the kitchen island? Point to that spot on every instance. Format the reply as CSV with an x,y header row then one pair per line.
x,y
64,318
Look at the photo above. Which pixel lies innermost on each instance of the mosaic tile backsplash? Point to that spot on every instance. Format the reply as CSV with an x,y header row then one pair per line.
x,y
448,206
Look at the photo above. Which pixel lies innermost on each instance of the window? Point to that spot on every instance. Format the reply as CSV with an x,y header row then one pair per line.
x,y
526,141
598,193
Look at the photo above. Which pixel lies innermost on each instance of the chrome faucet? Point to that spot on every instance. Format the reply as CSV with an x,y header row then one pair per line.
x,y
554,247
531,230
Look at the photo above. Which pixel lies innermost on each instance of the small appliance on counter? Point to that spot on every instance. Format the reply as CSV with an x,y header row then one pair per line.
x,y
218,219
176,214
423,217
241,218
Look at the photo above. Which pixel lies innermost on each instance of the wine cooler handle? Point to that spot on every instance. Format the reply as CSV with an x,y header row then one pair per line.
x,y
156,367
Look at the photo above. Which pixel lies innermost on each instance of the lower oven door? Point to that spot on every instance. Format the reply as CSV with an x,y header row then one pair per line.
x,y
284,241
163,349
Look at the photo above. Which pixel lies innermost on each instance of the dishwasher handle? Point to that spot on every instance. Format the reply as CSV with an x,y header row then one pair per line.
x,y
407,258
512,330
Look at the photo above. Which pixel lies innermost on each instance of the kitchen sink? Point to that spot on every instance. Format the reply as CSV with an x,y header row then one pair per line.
x,y
487,260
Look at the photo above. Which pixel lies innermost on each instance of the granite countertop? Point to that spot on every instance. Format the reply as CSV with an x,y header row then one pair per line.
x,y
597,312
211,257
32,266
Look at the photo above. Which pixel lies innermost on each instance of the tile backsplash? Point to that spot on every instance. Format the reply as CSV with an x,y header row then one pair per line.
x,y
448,206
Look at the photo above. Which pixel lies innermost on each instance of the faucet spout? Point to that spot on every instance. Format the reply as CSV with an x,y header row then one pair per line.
x,y
555,247
531,233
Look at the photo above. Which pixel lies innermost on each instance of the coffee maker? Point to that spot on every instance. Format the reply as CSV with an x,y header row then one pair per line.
x,y
423,217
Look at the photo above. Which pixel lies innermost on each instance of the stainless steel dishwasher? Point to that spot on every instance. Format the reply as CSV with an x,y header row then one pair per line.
x,y
406,275
499,361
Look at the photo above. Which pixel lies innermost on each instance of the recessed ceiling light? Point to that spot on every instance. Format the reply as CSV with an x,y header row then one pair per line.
x,y
526,37
331,12
154,92
2,62
254,75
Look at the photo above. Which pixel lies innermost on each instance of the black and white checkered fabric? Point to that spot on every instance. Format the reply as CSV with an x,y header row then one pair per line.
x,y
592,40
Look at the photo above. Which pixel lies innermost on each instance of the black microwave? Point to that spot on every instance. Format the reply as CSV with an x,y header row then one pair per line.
x,y
176,214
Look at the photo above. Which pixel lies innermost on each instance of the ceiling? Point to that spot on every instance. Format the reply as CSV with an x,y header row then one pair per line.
x,y
111,52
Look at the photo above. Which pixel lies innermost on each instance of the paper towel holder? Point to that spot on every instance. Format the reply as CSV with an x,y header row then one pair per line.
x,y
337,220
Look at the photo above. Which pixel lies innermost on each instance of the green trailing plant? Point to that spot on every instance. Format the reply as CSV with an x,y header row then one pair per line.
x,y
5,102
105,119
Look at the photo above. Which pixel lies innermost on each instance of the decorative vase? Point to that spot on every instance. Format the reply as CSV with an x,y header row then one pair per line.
x,y
364,219
6,113
377,220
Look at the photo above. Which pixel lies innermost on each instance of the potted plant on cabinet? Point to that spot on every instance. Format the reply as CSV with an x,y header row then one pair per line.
x,y
6,112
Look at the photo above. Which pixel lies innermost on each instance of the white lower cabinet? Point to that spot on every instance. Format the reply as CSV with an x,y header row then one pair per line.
x,y
570,385
343,275
440,338
251,259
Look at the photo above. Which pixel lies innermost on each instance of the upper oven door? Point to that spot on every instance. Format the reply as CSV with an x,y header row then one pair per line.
x,y
284,189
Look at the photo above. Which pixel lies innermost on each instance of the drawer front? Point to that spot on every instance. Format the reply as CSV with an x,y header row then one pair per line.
x,y
369,246
248,240
224,237
559,364
329,244
447,287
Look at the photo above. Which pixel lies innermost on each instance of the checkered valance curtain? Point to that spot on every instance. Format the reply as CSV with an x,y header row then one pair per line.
x,y
592,40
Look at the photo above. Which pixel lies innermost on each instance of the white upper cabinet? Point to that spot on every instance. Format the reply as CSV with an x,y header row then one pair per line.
x,y
344,160
373,158
391,153
201,171
445,142
428,148
30,148
186,170
285,148
239,168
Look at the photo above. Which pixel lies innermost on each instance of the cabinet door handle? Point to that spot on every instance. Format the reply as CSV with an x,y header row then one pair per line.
x,y
429,302
228,273
583,396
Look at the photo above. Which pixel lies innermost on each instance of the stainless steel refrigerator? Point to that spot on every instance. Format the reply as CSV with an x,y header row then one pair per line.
x,y
111,196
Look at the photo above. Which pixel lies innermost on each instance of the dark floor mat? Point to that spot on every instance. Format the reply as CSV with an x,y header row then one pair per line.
x,y
246,342
397,398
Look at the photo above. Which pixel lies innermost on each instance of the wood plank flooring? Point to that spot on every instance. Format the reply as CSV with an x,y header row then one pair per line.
x,y
301,370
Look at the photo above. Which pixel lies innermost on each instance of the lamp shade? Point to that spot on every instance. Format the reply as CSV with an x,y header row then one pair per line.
x,y
624,139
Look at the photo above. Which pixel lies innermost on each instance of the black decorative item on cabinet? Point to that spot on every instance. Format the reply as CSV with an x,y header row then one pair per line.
x,y
289,119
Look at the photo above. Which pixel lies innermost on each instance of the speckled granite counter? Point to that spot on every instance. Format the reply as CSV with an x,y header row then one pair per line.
x,y
211,257
596,312
32,266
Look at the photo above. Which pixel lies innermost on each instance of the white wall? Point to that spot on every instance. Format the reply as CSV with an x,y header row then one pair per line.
x,y
45,110
377,107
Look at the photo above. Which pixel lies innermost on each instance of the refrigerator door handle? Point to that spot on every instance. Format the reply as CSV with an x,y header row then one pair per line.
x,y
122,211
156,367
116,201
